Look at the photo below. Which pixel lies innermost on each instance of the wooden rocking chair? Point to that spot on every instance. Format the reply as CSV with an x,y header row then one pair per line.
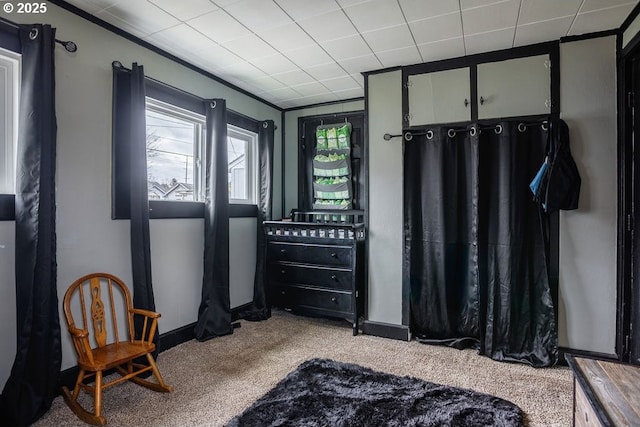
x,y
109,351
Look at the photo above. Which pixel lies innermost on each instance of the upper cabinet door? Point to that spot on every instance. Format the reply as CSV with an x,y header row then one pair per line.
x,y
439,97
515,87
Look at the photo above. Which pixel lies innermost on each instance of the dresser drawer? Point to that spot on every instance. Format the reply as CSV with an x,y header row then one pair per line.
x,y
313,298
310,254
334,278
584,414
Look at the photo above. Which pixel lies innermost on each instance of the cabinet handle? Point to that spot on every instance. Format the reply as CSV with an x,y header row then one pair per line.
x,y
283,272
333,277
283,251
283,293
482,100
466,102
334,255
333,299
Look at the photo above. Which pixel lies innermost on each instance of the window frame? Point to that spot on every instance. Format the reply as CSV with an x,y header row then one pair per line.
x,y
166,209
10,43
251,166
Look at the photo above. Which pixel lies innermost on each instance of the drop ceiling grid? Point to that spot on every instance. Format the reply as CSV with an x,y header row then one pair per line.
x,y
290,52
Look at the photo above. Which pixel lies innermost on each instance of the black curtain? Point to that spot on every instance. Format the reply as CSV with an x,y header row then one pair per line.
x,y
33,382
260,309
214,313
130,133
475,248
441,235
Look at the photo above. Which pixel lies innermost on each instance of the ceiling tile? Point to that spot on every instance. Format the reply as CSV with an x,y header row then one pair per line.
x,y
217,57
361,64
294,78
138,17
268,83
375,14
492,40
347,3
470,4
542,10
442,49
310,100
219,26
415,10
176,38
404,56
249,47
603,19
346,47
389,38
439,28
490,18
326,71
310,89
542,31
92,6
309,56
258,14
243,70
341,83
282,94
590,5
349,93
302,10
359,78
287,37
185,10
274,64
329,26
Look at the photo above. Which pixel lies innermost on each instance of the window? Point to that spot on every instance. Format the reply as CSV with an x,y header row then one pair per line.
x,y
9,93
243,168
175,152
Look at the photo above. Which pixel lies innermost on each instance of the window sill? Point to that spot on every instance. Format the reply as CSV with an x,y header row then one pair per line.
x,y
162,209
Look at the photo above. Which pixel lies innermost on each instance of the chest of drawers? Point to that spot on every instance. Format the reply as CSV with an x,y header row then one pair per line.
x,y
316,269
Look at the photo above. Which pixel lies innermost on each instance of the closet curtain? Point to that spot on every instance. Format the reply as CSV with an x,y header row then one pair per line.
x,y
214,313
33,382
260,308
476,255
130,132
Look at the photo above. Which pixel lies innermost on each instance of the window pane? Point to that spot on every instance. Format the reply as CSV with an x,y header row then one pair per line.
x,y
237,157
170,156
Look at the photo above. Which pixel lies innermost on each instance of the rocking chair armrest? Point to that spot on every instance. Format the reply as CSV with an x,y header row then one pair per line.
x,y
78,333
147,313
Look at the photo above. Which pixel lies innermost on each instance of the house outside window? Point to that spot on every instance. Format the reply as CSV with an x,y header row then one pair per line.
x,y
175,152
9,94
242,165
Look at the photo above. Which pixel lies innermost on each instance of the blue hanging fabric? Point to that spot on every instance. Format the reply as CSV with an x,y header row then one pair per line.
x,y
535,183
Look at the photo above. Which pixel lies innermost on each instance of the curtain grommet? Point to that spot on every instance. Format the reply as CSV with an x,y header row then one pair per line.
x,y
265,125
212,104
498,129
33,34
473,131
545,126
429,134
451,133
521,127
408,136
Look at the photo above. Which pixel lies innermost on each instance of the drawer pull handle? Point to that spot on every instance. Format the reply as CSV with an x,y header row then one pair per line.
x,y
334,255
283,272
283,251
333,299
283,293
333,277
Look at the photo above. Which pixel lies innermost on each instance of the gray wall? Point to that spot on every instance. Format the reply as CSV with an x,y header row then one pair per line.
x,y
385,198
88,240
587,291
588,236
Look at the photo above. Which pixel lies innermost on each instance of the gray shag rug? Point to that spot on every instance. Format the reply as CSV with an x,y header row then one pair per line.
x,y
323,392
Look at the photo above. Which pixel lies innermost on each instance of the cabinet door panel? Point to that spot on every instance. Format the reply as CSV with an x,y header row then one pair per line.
x,y
439,97
515,87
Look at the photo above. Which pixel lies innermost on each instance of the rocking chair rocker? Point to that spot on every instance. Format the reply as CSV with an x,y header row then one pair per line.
x,y
109,351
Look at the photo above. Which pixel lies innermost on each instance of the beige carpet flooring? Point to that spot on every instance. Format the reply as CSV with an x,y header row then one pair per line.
x,y
217,379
